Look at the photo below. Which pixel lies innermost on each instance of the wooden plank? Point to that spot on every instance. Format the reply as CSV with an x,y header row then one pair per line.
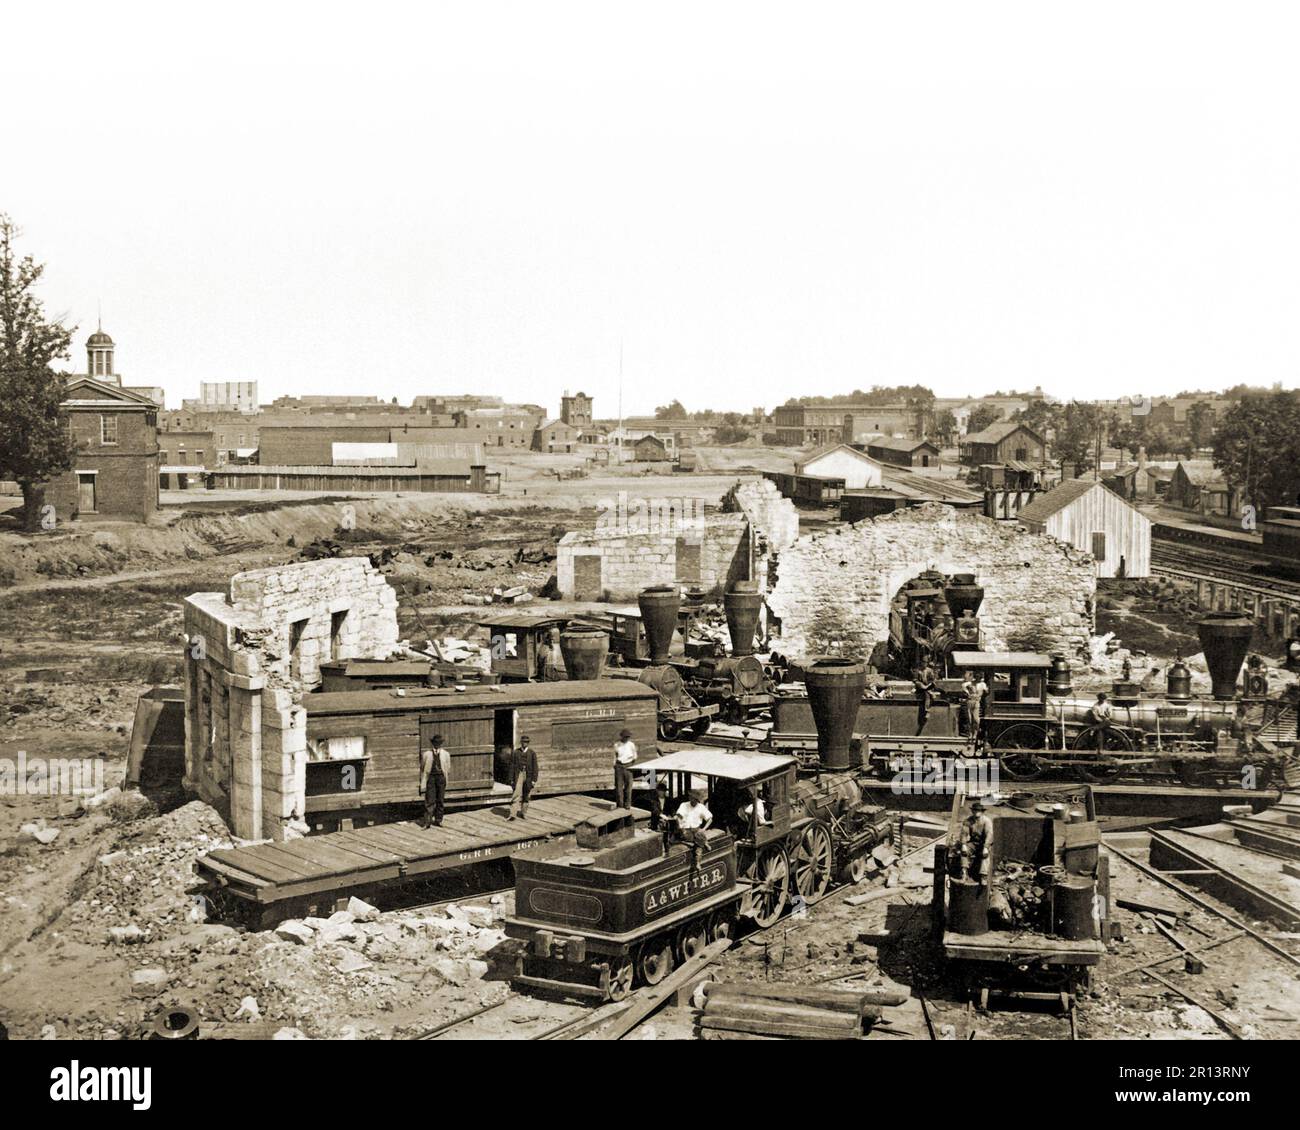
x,y
354,841
309,868
264,869
651,998
233,873
338,859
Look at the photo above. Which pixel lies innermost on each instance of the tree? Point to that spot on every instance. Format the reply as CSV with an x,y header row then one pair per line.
x,y
1076,434
944,426
34,444
1200,424
673,411
1257,447
981,417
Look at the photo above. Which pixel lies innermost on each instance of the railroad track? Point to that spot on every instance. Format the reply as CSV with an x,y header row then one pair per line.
x,y
1182,567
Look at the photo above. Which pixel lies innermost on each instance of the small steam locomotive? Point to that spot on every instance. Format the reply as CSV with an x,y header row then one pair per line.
x,y
623,903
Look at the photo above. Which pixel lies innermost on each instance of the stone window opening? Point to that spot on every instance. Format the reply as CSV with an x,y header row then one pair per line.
x,y
296,630
337,620
108,430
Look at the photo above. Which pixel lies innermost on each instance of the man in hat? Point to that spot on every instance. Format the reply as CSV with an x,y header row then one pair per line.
x,y
545,660
926,688
624,759
658,796
523,775
693,819
977,834
435,766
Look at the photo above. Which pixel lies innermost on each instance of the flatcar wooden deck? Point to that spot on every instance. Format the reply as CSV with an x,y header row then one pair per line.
x,y
276,876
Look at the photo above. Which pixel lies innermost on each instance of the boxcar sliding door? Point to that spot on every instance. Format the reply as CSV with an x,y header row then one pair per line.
x,y
467,735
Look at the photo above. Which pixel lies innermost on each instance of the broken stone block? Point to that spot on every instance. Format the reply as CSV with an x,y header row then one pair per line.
x,y
341,918
248,1007
290,1034
294,931
352,962
126,935
148,982
334,932
361,910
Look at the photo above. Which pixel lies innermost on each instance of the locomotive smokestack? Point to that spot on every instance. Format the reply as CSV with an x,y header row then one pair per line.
x,y
963,593
1225,638
742,607
834,695
659,605
584,651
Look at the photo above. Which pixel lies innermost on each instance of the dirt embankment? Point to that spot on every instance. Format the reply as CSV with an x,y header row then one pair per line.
x,y
171,544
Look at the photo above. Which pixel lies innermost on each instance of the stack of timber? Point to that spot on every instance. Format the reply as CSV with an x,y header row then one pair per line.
x,y
727,1011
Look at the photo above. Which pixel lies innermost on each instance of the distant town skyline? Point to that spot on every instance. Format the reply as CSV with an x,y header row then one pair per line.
x,y
968,198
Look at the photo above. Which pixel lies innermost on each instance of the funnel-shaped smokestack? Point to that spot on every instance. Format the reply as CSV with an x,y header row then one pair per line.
x,y
963,593
834,695
659,605
742,608
1225,638
584,651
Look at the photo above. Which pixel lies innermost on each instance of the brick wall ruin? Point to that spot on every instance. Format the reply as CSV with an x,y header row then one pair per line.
x,y
249,657
662,541
833,590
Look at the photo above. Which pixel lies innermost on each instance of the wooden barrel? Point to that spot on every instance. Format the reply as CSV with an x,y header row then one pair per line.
x,y
968,907
1072,898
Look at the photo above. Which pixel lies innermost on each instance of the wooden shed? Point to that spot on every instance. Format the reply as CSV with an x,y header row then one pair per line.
x,y
1090,516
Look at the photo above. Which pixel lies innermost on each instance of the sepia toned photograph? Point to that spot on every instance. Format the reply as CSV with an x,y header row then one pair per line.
x,y
702,523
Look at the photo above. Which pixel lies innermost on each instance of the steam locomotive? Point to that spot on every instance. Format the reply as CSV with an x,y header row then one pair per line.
x,y
623,904
1035,723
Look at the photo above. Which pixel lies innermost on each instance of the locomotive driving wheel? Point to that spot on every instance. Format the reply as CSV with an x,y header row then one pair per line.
x,y
1095,743
655,961
813,861
668,730
1023,744
700,728
769,887
622,971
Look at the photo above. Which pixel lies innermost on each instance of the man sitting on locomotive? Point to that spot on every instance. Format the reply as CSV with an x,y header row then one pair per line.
x,y
1100,714
753,814
693,820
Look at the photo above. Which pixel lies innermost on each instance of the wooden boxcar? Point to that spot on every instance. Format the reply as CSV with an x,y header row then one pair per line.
x,y
364,746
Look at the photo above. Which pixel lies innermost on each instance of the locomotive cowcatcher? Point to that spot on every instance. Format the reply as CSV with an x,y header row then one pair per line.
x,y
625,903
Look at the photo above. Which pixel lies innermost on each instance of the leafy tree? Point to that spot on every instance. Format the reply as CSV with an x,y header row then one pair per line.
x,y
944,426
981,417
1200,424
673,411
729,433
1257,447
1077,432
34,445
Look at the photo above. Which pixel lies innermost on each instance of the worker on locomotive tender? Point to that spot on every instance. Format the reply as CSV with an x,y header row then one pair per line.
x,y
624,759
693,820
926,689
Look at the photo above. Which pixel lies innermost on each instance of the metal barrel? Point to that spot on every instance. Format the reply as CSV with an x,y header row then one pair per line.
x,y
659,605
742,610
834,692
584,651
1225,639
968,907
962,593
1072,903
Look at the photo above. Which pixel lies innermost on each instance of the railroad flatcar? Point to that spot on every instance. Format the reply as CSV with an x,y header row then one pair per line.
x,y
624,903
1023,903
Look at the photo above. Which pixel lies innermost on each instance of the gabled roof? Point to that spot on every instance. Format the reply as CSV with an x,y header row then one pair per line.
x,y
1201,475
889,443
547,425
84,391
1058,498
650,439
826,449
996,433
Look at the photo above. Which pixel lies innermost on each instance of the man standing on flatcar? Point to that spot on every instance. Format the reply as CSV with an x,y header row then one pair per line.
x,y
435,767
523,775
624,759
545,661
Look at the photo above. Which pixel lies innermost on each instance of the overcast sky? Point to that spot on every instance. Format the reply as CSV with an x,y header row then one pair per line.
x,y
756,201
